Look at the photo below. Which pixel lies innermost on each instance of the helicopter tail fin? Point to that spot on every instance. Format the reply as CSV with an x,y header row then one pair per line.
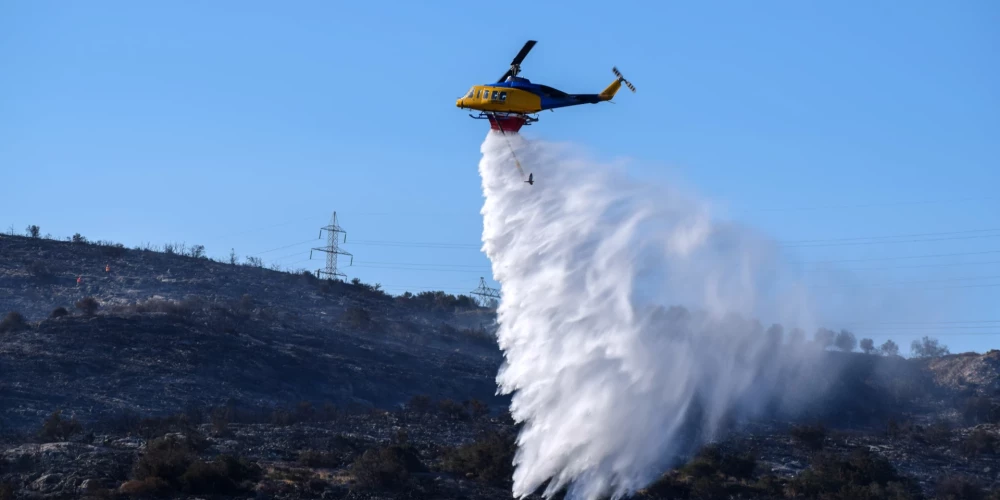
x,y
612,89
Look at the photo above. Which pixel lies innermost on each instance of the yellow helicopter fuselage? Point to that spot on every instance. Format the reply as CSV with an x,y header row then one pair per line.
x,y
501,100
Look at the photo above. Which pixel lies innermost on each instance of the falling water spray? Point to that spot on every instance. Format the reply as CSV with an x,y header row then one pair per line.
x,y
627,320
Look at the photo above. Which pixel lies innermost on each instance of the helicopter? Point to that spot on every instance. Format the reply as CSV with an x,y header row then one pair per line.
x,y
509,101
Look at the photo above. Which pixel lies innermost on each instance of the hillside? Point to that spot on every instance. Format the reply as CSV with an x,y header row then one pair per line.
x,y
174,331
186,377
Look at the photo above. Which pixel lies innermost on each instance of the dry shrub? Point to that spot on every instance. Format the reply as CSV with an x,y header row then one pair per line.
x,y
56,429
420,403
179,308
489,459
13,322
151,486
88,305
958,488
171,464
386,468
811,436
711,462
979,442
226,475
358,317
452,409
862,476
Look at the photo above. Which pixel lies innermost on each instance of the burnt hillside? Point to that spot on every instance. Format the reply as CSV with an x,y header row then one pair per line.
x,y
178,376
169,331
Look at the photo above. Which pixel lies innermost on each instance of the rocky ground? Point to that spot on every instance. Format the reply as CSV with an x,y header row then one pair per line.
x,y
182,377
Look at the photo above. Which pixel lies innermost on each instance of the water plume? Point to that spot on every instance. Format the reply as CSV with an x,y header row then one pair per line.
x,y
627,319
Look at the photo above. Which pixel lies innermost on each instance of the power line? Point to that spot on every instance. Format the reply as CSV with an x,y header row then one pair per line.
x,y
946,264
911,235
927,322
907,257
935,334
867,205
287,246
416,244
809,245
942,280
367,262
791,243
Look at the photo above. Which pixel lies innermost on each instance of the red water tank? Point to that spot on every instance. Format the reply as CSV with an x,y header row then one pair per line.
x,y
506,123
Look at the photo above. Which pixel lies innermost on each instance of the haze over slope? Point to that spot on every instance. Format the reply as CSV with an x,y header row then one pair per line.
x,y
606,377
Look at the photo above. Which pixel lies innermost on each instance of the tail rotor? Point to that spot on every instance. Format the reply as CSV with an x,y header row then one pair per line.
x,y
623,80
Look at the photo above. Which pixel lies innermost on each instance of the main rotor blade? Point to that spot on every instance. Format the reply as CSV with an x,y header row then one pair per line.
x,y
505,75
524,52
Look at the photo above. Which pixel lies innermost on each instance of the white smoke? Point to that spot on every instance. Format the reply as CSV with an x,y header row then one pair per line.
x,y
606,376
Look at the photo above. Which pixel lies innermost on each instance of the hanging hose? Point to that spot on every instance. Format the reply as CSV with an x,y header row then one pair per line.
x,y
516,161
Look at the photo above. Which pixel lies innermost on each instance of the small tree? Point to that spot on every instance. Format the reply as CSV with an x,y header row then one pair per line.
x,y
825,337
775,334
78,238
889,348
88,305
33,231
796,336
867,346
846,341
233,259
254,261
927,348
198,251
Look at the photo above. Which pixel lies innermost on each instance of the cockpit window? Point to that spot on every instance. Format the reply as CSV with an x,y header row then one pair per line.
x,y
471,92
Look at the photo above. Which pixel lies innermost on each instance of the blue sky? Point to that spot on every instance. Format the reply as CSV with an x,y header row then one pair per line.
x,y
244,124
